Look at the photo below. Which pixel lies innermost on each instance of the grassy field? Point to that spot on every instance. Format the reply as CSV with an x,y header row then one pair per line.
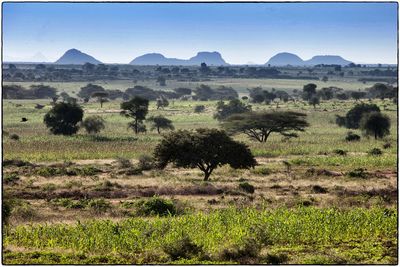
x,y
80,199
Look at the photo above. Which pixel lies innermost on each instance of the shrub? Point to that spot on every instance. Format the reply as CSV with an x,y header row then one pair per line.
x,y
146,162
340,152
247,187
123,162
199,108
375,152
14,137
183,248
156,206
69,203
387,145
10,178
22,210
319,189
93,124
6,209
99,205
358,173
375,124
276,259
250,248
133,171
352,137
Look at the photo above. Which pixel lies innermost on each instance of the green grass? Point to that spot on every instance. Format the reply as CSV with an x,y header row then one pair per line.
x,y
357,235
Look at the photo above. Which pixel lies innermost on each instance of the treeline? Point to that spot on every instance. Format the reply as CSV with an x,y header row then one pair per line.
x,y
202,93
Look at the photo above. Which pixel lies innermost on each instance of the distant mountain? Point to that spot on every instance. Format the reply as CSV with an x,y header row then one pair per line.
x,y
328,59
283,59
74,56
210,58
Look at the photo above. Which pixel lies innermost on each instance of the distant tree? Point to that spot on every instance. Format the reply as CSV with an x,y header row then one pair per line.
x,y
88,90
256,94
161,81
380,90
309,90
268,97
259,125
199,108
12,67
357,95
245,98
88,67
162,102
114,94
143,92
234,106
160,122
354,115
183,91
375,124
93,124
325,79
204,69
43,91
63,118
204,92
314,101
40,67
205,149
101,97
137,109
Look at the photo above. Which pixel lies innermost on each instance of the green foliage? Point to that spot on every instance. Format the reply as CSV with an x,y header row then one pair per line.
x,y
259,125
10,178
99,205
234,106
205,149
93,124
156,206
352,137
245,186
146,162
88,90
160,122
199,108
375,152
358,173
354,115
63,118
137,109
375,124
183,248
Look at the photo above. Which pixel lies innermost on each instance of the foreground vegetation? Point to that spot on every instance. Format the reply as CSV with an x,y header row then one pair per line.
x,y
366,236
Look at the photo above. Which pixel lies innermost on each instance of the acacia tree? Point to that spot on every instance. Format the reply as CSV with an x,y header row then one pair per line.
x,y
101,97
137,109
376,124
205,149
93,124
259,125
63,118
160,122
314,101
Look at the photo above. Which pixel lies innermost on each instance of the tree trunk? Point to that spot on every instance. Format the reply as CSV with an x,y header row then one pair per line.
x,y
101,104
207,174
376,136
136,126
158,130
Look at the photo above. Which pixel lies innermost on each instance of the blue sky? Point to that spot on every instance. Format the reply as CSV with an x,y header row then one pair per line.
x,y
241,32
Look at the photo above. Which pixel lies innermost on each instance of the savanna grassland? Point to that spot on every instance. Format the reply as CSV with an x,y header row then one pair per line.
x,y
85,199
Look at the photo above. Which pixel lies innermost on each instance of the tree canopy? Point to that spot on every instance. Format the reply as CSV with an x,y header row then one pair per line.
x,y
63,118
205,149
137,109
375,124
234,106
259,125
160,122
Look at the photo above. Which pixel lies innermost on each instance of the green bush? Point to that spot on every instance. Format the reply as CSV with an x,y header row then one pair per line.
x,y
375,152
99,205
358,173
146,162
245,186
183,248
156,206
250,248
11,178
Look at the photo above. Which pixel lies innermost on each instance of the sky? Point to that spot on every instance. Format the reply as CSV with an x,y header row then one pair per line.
x,y
242,32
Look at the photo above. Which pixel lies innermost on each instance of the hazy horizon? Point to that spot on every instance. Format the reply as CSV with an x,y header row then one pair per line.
x,y
364,33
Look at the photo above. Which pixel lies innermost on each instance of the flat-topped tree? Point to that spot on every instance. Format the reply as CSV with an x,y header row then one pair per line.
x,y
101,97
205,149
259,125
137,109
